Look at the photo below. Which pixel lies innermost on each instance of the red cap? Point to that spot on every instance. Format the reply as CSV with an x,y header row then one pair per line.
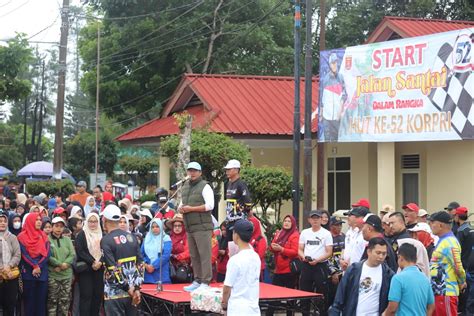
x,y
411,207
59,210
462,210
362,202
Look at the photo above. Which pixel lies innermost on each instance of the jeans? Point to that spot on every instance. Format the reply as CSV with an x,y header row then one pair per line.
x,y
470,294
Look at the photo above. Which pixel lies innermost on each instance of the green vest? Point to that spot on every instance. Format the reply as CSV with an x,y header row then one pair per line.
x,y
191,195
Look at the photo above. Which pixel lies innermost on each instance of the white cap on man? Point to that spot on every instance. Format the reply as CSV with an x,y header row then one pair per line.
x,y
111,212
58,219
233,164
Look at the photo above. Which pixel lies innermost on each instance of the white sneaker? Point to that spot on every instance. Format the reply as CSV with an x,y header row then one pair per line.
x,y
192,286
203,286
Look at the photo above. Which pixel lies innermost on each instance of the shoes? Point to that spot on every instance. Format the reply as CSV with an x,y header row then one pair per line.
x,y
203,286
192,286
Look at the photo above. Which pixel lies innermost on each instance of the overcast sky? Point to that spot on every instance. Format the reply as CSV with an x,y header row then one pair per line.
x,y
31,17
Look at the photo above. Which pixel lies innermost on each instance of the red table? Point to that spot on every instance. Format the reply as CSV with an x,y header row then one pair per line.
x,y
176,301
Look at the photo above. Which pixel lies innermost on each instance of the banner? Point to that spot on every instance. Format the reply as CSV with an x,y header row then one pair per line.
x,y
414,89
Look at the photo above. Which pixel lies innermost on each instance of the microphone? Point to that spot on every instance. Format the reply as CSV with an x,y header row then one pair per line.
x,y
180,182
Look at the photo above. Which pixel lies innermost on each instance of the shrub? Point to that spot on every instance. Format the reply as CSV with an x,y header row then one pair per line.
x,y
50,187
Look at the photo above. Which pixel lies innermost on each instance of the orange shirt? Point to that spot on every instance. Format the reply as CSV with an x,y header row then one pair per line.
x,y
81,198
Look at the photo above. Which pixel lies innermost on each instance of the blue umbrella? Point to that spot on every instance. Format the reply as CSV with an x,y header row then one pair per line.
x,y
40,168
5,172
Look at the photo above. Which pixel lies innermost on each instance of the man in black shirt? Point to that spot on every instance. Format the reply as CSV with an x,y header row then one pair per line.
x,y
237,197
338,242
451,208
465,235
124,269
398,229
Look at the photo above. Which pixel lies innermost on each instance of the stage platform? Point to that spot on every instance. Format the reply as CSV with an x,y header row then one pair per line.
x,y
178,302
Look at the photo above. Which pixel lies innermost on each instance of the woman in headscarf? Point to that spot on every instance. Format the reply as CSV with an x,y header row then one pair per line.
x,y
125,206
91,285
156,244
46,225
10,255
223,256
34,209
325,219
20,210
123,223
35,252
285,248
179,242
258,242
76,211
14,224
90,205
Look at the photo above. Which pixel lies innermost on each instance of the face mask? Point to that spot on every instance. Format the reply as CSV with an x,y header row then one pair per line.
x,y
17,225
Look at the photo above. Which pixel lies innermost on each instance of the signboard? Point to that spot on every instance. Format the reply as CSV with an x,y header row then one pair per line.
x,y
414,89
101,179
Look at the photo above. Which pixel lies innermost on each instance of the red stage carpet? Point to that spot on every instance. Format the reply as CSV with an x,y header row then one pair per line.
x,y
268,292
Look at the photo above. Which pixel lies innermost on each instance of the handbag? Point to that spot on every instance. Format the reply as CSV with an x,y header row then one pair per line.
x,y
295,266
15,273
181,273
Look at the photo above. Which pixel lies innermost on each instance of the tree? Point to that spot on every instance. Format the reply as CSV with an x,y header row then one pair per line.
x,y
211,150
14,59
269,187
79,154
11,144
142,166
143,58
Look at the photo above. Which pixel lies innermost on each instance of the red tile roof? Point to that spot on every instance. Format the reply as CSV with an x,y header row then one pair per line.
x,y
411,27
230,104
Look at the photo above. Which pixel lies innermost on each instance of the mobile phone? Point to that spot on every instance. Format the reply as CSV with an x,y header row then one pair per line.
x,y
308,258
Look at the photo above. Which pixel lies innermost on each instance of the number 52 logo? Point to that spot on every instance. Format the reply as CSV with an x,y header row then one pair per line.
x,y
463,57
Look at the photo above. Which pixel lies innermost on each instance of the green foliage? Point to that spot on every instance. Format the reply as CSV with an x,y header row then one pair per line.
x,y
211,150
50,187
270,187
11,144
142,166
79,154
147,197
143,58
14,60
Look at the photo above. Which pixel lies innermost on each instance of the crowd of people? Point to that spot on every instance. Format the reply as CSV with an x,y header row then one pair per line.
x,y
88,253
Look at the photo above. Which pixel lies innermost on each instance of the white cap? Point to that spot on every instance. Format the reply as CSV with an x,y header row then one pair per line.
x,y
233,163
58,219
422,212
145,212
111,212
420,227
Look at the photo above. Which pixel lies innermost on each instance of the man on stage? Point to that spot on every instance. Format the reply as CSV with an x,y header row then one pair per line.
x,y
196,206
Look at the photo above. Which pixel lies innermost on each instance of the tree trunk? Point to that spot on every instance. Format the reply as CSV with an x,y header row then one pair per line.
x,y
184,150
215,34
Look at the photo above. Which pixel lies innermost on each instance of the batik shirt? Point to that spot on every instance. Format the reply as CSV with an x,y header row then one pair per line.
x,y
123,262
337,248
447,272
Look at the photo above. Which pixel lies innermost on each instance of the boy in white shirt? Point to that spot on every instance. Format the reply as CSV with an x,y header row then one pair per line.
x,y
315,248
241,284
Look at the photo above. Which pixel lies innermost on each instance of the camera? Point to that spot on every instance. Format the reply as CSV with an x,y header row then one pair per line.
x,y
308,258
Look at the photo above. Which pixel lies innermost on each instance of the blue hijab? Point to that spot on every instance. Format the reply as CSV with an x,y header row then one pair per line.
x,y
152,244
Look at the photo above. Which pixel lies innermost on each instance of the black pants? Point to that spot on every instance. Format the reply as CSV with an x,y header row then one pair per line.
x,y
120,307
8,296
314,279
91,290
287,280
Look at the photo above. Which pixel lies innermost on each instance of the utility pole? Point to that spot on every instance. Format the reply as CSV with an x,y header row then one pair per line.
x,y
25,150
41,114
308,82
33,131
297,114
320,149
97,107
59,132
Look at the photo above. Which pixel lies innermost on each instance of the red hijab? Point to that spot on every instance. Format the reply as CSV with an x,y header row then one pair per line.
x,y
284,234
257,230
34,240
178,241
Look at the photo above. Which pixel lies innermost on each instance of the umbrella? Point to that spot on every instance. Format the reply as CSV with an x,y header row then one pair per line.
x,y
40,168
5,172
